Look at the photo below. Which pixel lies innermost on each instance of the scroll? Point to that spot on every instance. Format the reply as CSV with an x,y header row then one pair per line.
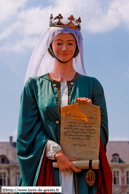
x,y
80,134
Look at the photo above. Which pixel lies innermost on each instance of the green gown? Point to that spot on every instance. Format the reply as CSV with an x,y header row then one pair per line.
x,y
39,113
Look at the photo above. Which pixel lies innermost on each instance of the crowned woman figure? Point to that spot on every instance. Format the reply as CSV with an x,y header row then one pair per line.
x,y
55,78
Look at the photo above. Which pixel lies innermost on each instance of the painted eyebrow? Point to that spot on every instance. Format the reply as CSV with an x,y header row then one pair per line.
x,y
62,40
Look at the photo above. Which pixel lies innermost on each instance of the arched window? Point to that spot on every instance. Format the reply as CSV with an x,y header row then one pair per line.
x,y
3,159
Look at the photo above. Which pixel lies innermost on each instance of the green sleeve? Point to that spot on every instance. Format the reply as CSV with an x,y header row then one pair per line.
x,y
98,99
31,139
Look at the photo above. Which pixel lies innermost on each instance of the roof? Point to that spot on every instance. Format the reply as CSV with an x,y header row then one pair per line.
x,y
9,151
120,148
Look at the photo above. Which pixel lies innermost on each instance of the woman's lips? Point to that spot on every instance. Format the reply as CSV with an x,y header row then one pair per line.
x,y
64,53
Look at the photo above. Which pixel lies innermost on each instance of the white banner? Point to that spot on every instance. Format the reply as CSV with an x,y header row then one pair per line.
x,y
32,189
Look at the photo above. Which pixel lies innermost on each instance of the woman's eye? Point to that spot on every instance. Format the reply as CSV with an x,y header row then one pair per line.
x,y
59,44
70,43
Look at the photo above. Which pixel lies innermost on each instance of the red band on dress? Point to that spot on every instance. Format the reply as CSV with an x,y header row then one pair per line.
x,y
104,181
46,175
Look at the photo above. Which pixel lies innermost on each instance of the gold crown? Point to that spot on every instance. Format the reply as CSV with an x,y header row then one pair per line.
x,y
69,25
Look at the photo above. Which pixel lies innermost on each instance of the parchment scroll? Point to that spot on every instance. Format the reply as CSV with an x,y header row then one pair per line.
x,y
82,164
80,132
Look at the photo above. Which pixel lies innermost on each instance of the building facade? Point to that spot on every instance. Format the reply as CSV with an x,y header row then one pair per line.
x,y
118,158
9,167
117,155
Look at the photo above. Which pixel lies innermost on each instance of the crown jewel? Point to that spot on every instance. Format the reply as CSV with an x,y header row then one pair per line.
x,y
68,25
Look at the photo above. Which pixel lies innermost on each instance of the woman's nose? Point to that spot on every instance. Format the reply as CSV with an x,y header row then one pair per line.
x,y
64,47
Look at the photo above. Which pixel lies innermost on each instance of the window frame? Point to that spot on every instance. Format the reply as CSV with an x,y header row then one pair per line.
x,y
17,178
3,157
115,157
5,178
126,170
119,176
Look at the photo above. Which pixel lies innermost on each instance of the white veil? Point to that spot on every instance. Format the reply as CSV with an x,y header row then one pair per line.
x,y
41,62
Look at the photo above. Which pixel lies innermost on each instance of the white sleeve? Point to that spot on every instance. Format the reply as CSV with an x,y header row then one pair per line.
x,y
51,149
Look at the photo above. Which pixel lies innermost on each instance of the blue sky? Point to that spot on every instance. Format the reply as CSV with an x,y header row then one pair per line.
x,y
105,30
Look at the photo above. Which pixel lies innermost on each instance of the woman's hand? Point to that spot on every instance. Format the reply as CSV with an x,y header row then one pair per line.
x,y
83,100
64,162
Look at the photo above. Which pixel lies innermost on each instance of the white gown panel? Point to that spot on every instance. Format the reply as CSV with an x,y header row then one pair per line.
x,y
65,177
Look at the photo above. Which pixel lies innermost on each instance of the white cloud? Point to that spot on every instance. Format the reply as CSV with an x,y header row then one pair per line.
x,y
123,7
10,7
34,20
31,22
20,45
118,139
9,30
96,17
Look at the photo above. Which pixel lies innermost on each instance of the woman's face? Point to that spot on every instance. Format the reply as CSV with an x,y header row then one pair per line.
x,y
64,45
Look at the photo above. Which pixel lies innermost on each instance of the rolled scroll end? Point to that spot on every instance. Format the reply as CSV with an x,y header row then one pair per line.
x,y
81,164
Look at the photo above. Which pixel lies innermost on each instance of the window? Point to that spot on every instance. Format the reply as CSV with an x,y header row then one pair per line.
x,y
3,179
116,178
127,177
17,178
2,160
115,159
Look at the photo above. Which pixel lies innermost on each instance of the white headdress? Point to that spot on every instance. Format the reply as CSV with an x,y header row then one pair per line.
x,y
41,62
